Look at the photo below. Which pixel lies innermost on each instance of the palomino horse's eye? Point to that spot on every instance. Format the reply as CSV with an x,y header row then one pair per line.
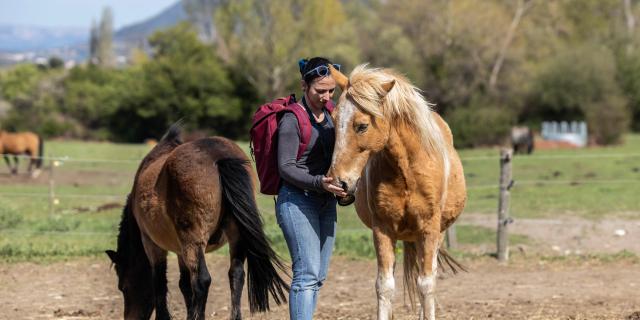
x,y
361,128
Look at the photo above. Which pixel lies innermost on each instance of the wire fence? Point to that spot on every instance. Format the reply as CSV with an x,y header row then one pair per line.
x,y
54,195
60,160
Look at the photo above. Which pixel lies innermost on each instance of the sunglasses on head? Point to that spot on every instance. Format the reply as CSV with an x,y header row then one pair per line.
x,y
321,70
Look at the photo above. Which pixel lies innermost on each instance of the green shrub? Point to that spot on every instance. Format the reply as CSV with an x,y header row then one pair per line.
x,y
476,125
580,84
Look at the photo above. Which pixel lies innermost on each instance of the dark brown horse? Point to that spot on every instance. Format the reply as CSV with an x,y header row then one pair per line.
x,y
22,143
192,198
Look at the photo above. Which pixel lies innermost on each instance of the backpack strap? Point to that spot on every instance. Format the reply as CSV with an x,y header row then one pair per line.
x,y
303,123
330,106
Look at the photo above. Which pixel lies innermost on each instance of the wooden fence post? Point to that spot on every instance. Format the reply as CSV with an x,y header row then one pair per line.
x,y
451,238
504,220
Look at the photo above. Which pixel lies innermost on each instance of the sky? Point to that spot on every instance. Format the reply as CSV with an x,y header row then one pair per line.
x,y
77,13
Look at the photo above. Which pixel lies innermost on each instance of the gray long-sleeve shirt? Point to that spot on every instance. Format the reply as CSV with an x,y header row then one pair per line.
x,y
305,173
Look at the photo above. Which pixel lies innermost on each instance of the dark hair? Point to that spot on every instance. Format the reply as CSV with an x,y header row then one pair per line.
x,y
306,65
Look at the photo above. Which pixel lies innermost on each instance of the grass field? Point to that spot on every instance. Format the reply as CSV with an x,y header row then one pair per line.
x,y
593,183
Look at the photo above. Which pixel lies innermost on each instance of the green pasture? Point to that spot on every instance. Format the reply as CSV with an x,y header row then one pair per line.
x,y
92,179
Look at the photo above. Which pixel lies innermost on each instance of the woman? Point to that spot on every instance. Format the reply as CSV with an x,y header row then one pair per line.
x,y
306,206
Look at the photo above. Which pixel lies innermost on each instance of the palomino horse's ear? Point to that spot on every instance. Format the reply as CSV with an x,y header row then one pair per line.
x,y
340,78
388,86
112,255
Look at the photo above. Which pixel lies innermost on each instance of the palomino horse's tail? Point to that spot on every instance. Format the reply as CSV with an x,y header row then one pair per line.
x,y
411,269
40,152
263,263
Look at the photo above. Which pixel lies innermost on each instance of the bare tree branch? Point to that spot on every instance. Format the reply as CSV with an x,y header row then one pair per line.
x,y
631,24
523,6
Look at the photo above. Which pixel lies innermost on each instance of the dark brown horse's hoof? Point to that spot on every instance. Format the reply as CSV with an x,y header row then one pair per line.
x,y
345,201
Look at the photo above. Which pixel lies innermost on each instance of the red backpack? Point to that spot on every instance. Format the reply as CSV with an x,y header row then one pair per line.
x,y
264,138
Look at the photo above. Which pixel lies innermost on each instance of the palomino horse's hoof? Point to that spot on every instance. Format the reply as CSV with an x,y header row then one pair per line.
x,y
347,200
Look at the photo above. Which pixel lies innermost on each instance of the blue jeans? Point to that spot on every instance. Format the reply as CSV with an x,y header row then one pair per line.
x,y
308,221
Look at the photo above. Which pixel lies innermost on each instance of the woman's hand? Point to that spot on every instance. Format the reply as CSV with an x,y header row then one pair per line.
x,y
327,185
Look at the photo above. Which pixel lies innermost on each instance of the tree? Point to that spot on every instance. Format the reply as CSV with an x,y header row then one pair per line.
x,y
35,96
55,62
184,80
263,40
105,54
93,43
201,15
580,84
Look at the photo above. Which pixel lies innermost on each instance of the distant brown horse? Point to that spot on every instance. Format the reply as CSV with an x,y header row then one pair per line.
x,y
191,198
396,157
22,143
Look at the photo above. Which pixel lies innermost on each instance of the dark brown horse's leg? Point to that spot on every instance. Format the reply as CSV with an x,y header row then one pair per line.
x,y
185,283
199,280
238,255
158,260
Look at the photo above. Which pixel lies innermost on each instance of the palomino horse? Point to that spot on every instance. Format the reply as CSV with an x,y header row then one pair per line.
x,y
22,143
396,157
191,198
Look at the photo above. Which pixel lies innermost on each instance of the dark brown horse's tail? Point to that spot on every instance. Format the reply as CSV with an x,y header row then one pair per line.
x,y
445,261
40,152
263,263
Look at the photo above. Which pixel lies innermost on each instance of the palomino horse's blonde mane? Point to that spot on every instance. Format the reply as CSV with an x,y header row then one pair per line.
x,y
403,103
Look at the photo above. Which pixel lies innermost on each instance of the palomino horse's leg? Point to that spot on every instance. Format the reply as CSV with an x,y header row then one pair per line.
x,y
238,255
158,260
385,283
199,279
427,252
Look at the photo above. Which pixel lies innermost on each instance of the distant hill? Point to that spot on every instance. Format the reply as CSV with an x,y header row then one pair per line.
x,y
14,38
137,32
28,43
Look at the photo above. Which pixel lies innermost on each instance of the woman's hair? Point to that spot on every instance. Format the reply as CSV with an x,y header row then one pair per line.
x,y
307,65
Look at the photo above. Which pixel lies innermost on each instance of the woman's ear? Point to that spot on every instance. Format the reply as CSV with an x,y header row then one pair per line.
x,y
303,85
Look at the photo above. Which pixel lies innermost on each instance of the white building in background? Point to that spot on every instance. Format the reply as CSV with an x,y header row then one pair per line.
x,y
573,132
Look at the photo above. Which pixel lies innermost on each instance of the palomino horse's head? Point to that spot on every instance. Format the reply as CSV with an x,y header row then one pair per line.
x,y
374,103
361,128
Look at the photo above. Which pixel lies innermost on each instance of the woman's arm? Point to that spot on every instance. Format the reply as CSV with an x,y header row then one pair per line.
x,y
288,144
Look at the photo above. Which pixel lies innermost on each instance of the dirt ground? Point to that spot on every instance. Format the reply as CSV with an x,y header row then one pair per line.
x,y
524,289
565,235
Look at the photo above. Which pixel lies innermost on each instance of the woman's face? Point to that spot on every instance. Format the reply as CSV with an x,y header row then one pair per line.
x,y
319,92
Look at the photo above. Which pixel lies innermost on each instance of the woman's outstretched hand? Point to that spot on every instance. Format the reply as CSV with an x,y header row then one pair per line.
x,y
327,185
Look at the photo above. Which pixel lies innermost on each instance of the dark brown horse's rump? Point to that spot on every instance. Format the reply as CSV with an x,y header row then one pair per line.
x,y
190,198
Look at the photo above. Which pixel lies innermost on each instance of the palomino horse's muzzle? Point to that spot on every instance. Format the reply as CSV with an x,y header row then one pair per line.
x,y
349,198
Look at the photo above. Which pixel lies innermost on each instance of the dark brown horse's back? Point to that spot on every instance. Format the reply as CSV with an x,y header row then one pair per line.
x,y
190,184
